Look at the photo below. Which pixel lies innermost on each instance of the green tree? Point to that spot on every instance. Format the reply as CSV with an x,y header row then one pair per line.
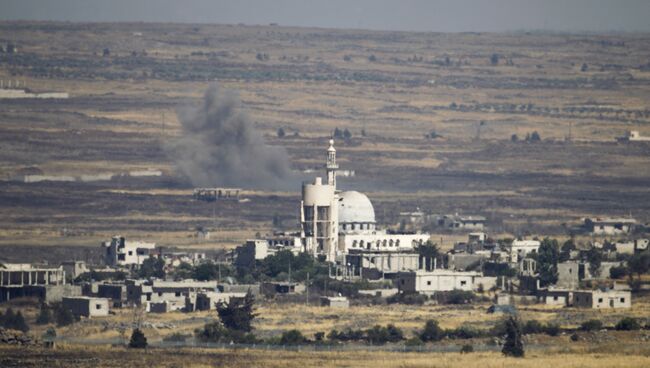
x,y
494,59
595,259
152,267
514,345
639,264
138,340
547,260
432,331
238,314
14,321
63,316
567,247
281,133
206,271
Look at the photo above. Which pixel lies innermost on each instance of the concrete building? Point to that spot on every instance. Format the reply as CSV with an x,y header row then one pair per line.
x,y
272,288
14,277
335,302
84,306
430,282
75,268
519,248
609,225
376,264
569,274
633,136
173,294
117,293
120,252
599,299
459,222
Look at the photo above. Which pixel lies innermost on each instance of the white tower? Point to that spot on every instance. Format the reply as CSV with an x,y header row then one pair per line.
x,y
331,165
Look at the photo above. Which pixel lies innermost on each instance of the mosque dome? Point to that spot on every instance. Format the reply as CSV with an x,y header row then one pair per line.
x,y
356,208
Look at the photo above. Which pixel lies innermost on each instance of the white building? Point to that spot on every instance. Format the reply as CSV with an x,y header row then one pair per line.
x,y
429,282
334,222
609,225
520,248
86,306
120,252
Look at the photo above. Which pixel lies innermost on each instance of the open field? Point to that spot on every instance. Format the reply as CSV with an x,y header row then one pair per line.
x,y
582,356
395,87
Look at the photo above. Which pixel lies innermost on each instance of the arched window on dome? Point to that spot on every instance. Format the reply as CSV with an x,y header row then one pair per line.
x,y
354,244
397,243
390,243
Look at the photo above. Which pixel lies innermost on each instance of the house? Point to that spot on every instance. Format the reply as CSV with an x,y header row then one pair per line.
x,y
458,222
609,225
272,288
519,248
15,277
86,306
75,268
602,299
120,252
335,301
173,293
115,292
377,264
559,297
430,282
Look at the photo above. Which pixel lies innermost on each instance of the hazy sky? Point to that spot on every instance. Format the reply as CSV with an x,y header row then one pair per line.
x,y
416,15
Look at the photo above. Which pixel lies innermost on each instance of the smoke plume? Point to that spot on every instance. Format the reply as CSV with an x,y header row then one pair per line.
x,y
220,147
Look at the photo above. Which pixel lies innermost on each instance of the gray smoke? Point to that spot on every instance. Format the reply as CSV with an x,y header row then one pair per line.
x,y
220,147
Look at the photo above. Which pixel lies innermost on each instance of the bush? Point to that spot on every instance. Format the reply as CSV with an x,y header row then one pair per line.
x,y
466,349
378,335
431,332
618,272
216,332
464,332
414,341
44,316
532,327
628,324
347,335
138,340
552,329
407,298
575,337
14,321
64,316
456,297
591,325
292,337
319,336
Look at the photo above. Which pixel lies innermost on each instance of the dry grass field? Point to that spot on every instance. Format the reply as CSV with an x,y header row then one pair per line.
x,y
115,357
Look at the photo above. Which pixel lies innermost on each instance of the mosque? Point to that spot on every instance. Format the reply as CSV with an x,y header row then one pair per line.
x,y
335,222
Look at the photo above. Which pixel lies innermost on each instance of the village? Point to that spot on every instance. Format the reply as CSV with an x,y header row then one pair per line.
x,y
340,258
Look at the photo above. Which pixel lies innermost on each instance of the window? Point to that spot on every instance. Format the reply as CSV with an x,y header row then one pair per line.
x,y
555,298
622,300
130,252
178,293
428,282
402,281
463,283
98,306
600,300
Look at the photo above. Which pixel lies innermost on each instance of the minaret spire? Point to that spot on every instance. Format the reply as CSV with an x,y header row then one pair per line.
x,y
331,164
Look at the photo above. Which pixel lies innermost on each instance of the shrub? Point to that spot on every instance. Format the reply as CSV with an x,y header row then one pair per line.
x,y
347,335
552,329
466,349
408,298
378,335
464,332
532,327
319,336
618,272
14,321
138,340
458,297
238,313
431,332
216,332
292,337
628,324
64,316
414,341
575,337
591,325
44,316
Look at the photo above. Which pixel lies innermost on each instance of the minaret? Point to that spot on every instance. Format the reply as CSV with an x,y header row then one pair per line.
x,y
331,164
